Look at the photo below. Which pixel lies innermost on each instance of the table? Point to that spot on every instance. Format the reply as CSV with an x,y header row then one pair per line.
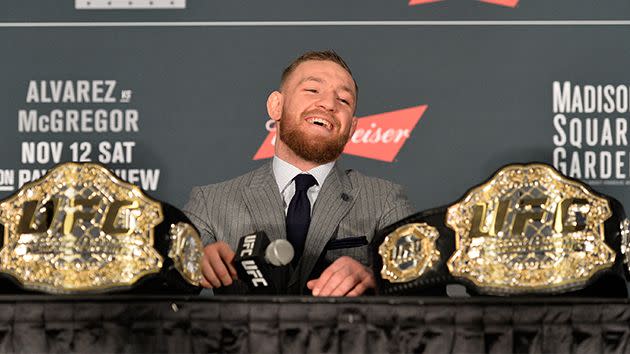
x,y
111,323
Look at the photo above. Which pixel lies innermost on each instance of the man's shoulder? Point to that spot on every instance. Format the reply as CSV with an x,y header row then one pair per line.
x,y
382,198
233,185
359,179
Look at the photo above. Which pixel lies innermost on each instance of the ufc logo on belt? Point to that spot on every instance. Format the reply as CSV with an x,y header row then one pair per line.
x,y
37,216
489,219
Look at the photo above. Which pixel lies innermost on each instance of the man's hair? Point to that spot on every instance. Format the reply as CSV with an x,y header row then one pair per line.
x,y
325,55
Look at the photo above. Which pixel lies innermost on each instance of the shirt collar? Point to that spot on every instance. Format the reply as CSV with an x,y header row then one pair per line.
x,y
284,172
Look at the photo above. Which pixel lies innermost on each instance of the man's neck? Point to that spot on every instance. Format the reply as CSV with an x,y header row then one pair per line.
x,y
287,155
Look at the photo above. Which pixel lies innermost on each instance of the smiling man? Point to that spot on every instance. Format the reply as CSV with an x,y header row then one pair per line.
x,y
327,213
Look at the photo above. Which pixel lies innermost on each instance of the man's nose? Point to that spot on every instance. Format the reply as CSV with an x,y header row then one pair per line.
x,y
327,102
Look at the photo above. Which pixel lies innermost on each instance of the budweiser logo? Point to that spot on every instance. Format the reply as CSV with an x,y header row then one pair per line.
x,y
377,137
508,3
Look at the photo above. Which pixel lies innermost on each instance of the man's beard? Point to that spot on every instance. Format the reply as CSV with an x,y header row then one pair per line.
x,y
316,150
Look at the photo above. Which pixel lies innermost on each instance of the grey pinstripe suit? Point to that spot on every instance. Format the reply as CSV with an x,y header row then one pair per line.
x,y
229,210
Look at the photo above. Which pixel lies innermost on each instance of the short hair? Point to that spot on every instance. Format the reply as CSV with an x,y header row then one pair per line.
x,y
325,55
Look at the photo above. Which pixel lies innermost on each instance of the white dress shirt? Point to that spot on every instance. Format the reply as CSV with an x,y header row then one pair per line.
x,y
284,173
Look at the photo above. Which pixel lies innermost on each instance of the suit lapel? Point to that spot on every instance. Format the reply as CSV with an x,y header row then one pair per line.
x,y
264,203
333,202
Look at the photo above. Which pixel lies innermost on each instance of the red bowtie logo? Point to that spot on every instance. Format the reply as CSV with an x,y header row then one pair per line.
x,y
377,137
508,3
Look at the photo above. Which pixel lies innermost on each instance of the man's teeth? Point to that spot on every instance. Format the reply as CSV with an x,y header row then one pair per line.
x,y
320,122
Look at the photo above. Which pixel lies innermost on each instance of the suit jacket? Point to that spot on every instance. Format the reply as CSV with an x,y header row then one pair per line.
x,y
349,206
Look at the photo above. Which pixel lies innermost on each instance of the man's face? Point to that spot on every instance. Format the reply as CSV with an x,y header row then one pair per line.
x,y
317,116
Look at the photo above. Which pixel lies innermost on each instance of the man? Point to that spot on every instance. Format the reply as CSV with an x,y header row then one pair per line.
x,y
327,213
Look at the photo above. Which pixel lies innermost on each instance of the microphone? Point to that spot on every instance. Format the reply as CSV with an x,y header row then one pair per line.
x,y
261,264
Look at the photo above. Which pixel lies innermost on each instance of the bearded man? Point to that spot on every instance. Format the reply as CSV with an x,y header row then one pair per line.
x,y
327,213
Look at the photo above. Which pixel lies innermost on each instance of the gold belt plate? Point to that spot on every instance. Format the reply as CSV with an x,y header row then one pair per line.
x,y
409,252
79,229
186,251
529,229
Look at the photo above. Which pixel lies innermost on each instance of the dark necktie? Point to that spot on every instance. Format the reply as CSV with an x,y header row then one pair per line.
x,y
299,214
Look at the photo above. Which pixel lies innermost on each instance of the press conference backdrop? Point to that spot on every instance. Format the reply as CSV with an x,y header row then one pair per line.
x,y
171,94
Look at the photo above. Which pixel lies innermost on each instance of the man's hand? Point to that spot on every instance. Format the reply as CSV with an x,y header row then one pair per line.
x,y
216,265
344,277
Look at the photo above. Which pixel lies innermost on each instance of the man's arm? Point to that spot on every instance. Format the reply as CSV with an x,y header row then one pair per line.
x,y
347,276
217,262
197,211
397,207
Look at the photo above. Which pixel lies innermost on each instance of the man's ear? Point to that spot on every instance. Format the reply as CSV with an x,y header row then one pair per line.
x,y
354,125
274,105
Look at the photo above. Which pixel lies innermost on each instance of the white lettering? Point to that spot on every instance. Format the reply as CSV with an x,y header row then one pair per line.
x,y
559,121
252,269
119,152
149,179
589,164
559,156
25,176
605,166
575,132
78,121
7,177
561,97
41,152
619,164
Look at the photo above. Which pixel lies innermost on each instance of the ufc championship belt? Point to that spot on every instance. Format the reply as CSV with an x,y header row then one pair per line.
x,y
81,229
527,230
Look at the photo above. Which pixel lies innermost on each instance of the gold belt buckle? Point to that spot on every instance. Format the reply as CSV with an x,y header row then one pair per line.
x,y
529,229
409,252
77,229
186,252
